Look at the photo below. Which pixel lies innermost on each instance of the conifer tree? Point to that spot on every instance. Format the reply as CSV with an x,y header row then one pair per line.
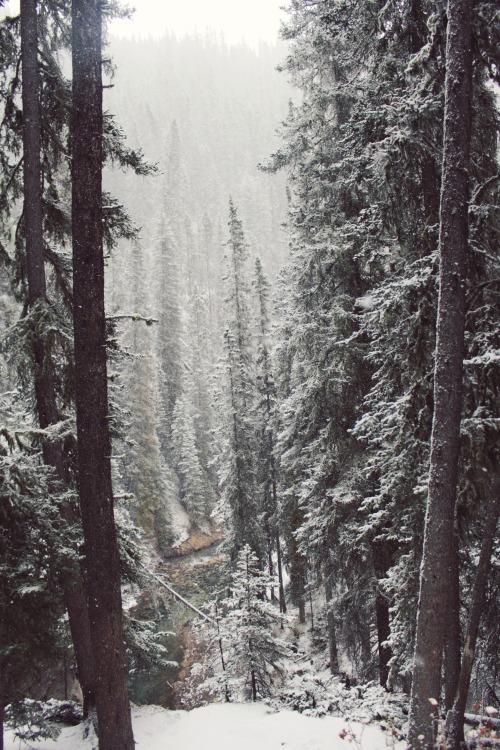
x,y
246,619
166,287
238,476
31,555
41,311
194,490
267,469
364,149
92,409
439,572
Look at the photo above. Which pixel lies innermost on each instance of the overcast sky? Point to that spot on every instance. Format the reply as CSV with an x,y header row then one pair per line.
x,y
251,20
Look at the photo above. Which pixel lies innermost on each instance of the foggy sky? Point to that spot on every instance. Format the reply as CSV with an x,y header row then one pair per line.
x,y
250,20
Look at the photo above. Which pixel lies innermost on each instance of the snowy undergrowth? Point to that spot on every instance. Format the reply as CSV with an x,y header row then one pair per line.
x,y
320,694
310,688
229,726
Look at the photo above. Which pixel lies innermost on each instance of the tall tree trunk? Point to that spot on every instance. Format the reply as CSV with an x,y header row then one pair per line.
x,y
382,553
452,645
277,541
332,631
94,444
45,396
436,571
383,632
280,574
455,728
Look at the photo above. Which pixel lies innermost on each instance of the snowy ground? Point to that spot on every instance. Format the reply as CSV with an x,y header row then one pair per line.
x,y
230,727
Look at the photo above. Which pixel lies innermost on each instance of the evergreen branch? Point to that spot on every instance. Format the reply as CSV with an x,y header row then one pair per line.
x,y
480,190
132,316
3,196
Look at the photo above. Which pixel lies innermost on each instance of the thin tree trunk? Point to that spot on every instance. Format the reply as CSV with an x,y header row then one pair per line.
x,y
455,729
452,646
281,592
436,571
94,444
383,632
254,686
280,574
382,559
332,633
46,404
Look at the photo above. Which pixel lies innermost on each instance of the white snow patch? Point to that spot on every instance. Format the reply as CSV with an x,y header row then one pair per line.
x,y
230,726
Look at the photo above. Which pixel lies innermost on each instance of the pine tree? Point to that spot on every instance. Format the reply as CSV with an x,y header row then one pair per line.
x,y
267,469
40,313
31,542
364,149
92,411
170,329
238,478
194,489
439,572
252,654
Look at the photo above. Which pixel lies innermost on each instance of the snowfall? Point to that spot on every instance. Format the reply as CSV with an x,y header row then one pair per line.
x,y
230,726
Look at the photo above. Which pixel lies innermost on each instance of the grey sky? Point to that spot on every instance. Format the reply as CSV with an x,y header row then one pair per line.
x,y
251,20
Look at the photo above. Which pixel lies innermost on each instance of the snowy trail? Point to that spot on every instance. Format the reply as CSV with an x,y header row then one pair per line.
x,y
230,727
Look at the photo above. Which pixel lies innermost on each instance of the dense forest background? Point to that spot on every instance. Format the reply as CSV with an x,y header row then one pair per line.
x,y
207,137
302,401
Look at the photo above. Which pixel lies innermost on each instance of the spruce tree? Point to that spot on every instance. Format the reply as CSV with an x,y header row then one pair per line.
x,y
439,572
252,653
194,490
364,151
267,475
40,314
32,537
92,410
238,471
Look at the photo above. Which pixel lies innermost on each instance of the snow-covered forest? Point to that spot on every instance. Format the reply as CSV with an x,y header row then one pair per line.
x,y
249,350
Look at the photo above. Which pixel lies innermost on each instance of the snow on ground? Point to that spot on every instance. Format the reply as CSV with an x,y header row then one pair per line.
x,y
230,726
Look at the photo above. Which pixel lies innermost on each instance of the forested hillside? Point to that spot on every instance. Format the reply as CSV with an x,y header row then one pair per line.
x,y
206,118
249,422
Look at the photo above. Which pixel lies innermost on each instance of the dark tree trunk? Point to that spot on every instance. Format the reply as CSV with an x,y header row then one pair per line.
x,y
297,562
455,729
452,646
281,591
94,444
46,404
254,686
280,574
332,632
298,581
3,702
382,552
437,570
383,632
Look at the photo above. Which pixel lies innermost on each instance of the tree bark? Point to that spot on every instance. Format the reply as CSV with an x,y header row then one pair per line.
x,y
46,404
455,721
383,632
332,633
452,646
436,571
94,444
382,552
